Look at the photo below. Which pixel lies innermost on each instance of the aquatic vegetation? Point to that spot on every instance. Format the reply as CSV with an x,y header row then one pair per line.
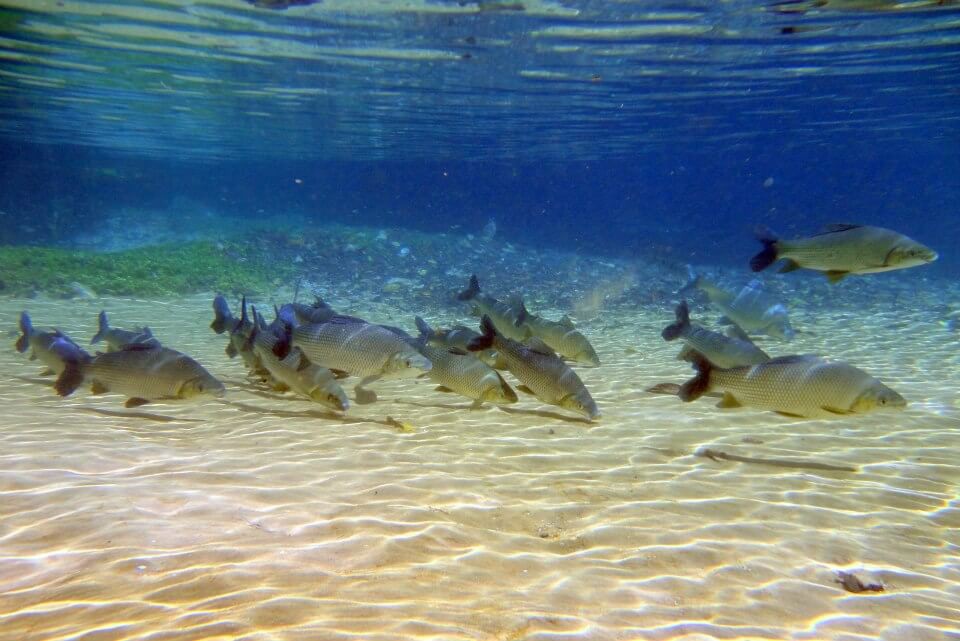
x,y
162,270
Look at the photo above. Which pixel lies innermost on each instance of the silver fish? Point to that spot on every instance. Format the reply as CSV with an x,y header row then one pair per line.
x,y
356,347
752,308
723,351
459,371
54,349
541,371
805,386
116,338
296,373
459,336
843,249
143,373
503,315
562,337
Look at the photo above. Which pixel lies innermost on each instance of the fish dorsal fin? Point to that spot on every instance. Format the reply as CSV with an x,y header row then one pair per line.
x,y
457,351
566,322
534,344
138,347
735,331
834,228
794,358
345,320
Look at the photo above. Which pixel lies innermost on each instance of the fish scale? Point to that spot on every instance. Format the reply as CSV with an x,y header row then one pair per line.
x,y
796,385
361,349
152,373
548,377
466,374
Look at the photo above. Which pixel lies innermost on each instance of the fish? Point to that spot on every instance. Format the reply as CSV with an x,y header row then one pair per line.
x,y
562,337
239,332
721,350
117,338
54,349
806,386
841,250
318,312
295,372
143,373
458,337
460,371
359,348
539,369
752,308
503,315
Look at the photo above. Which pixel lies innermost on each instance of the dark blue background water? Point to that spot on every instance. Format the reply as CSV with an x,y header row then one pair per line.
x,y
694,203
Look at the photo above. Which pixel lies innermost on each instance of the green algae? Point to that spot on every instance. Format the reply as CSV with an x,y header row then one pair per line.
x,y
160,270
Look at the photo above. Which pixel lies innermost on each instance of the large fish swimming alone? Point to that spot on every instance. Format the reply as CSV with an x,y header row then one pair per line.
x,y
541,371
721,350
841,250
143,373
806,386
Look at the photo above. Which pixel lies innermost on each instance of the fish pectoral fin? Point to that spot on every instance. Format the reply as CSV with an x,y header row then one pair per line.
x,y
33,357
728,401
135,402
835,277
280,387
47,372
364,396
525,390
339,373
476,405
836,410
442,388
231,350
789,266
98,388
671,389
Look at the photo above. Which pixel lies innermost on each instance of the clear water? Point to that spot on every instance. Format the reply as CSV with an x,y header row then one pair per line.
x,y
358,149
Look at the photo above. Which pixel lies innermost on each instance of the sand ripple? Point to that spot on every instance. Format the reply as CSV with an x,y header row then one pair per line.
x,y
267,518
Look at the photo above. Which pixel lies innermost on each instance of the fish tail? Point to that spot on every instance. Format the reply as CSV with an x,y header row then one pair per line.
x,y
767,255
103,327
70,378
471,291
26,329
693,280
675,330
222,316
699,384
426,332
485,340
282,346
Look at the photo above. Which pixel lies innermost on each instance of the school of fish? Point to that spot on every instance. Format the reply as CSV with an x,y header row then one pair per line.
x,y
307,350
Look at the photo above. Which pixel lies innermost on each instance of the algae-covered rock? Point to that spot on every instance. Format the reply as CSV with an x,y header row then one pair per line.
x,y
151,271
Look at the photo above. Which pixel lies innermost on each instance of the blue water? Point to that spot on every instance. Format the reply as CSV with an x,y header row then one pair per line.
x,y
608,128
